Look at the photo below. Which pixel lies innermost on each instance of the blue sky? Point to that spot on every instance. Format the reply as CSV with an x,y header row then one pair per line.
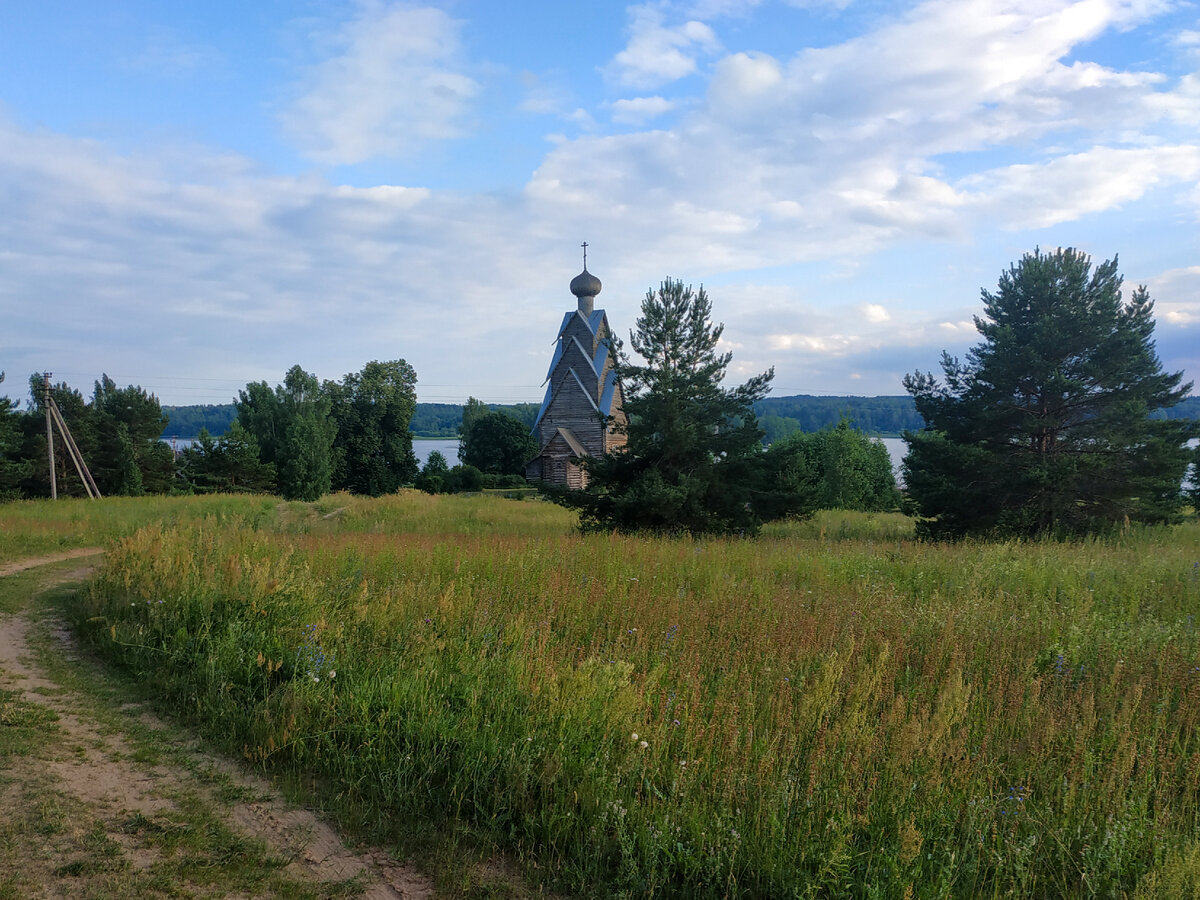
x,y
195,196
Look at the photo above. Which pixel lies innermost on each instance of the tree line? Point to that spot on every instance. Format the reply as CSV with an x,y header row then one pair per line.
x,y
429,420
302,438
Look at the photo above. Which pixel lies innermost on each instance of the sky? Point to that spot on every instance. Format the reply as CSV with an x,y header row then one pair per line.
x,y
196,196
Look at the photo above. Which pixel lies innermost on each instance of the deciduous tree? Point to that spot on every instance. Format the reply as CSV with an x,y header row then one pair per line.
x,y
845,468
295,431
373,452
497,444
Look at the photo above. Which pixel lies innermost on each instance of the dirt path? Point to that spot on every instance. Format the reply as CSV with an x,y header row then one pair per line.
x,y
21,565
104,799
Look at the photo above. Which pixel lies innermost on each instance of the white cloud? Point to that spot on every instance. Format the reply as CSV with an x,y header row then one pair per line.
x,y
638,110
1072,186
657,54
745,78
934,126
1176,295
397,83
875,313
959,329
844,149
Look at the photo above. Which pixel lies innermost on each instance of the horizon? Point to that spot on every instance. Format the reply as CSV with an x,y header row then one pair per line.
x,y
232,189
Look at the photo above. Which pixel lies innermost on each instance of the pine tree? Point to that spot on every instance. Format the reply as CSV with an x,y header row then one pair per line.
x,y
13,466
1046,427
693,460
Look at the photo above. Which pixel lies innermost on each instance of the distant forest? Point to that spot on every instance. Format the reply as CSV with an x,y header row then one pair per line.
x,y
431,420
779,416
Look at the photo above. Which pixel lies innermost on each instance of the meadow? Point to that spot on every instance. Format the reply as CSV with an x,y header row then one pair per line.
x,y
829,710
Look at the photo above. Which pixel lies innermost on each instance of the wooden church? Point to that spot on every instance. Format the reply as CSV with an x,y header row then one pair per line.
x,y
582,414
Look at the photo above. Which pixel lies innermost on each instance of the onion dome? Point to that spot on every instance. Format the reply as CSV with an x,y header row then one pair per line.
x,y
585,284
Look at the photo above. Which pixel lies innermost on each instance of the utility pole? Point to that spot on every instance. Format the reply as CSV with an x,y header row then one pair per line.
x,y
49,433
54,417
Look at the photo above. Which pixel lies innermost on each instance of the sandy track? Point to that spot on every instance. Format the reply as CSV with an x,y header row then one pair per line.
x,y
20,565
103,775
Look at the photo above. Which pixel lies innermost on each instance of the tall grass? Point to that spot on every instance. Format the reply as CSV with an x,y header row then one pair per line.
x,y
35,527
829,710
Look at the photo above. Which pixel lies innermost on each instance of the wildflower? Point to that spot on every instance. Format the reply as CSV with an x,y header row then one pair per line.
x,y
634,736
333,673
643,745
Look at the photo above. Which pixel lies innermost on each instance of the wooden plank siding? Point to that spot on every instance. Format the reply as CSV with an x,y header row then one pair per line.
x,y
572,423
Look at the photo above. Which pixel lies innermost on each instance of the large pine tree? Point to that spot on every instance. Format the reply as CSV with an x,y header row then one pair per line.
x,y
1046,427
693,461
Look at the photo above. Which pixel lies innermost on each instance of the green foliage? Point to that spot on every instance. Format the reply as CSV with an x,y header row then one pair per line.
x,y
445,419
438,478
463,479
847,469
496,443
473,411
776,428
693,461
117,433
1194,484
433,475
373,448
830,710
295,431
1046,427
229,464
306,471
13,467
436,420
780,416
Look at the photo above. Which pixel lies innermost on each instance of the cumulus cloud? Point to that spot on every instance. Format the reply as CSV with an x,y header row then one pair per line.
x,y
217,267
657,54
875,313
639,110
821,155
397,82
936,124
1176,296
1072,186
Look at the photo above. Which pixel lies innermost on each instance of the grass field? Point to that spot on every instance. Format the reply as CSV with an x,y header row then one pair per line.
x,y
829,710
